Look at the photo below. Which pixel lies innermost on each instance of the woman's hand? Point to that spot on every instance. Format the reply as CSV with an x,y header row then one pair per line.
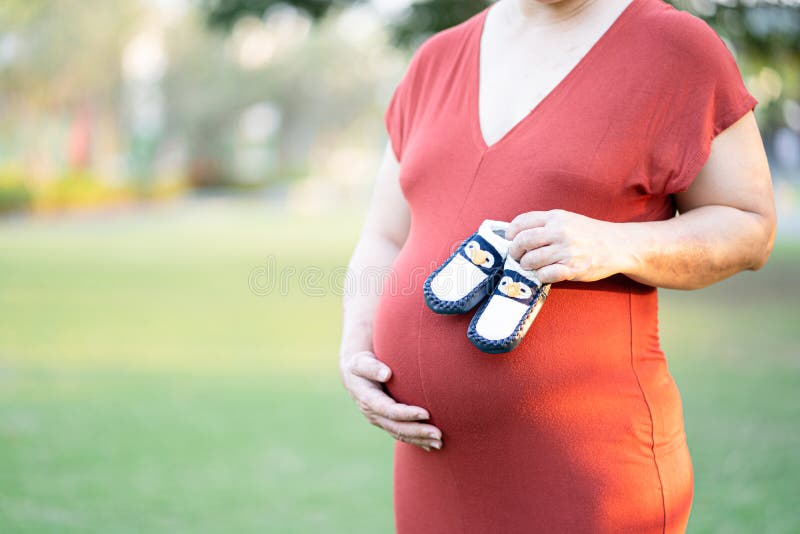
x,y
362,374
726,225
560,245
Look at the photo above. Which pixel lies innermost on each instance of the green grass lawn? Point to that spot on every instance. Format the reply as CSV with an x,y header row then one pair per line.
x,y
145,387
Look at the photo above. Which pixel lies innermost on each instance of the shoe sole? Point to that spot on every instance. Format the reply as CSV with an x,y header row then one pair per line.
x,y
464,305
511,342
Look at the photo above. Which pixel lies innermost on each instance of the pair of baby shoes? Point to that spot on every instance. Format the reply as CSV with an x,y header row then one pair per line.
x,y
481,267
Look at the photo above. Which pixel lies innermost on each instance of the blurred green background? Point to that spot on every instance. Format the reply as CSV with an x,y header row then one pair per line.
x,y
158,157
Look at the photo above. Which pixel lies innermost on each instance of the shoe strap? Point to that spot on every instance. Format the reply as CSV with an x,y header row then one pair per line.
x,y
530,290
486,247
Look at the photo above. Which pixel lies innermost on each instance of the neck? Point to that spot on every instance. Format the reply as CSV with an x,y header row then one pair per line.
x,y
541,12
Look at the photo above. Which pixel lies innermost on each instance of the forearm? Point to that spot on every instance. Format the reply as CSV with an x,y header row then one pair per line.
x,y
696,249
372,256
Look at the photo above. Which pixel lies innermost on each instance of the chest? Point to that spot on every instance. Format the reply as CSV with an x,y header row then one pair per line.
x,y
514,82
581,143
518,70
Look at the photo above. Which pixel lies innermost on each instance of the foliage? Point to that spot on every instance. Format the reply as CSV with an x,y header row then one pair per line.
x,y
762,33
75,190
423,18
209,91
78,55
14,194
224,13
79,189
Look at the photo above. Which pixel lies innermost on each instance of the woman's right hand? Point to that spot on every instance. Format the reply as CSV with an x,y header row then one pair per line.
x,y
362,374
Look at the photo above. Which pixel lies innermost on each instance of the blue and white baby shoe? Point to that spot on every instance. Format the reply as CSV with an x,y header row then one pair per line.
x,y
470,273
503,320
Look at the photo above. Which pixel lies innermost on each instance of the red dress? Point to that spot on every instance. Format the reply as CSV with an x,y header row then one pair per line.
x,y
580,428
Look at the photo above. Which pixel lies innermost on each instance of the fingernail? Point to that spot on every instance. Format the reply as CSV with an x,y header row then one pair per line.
x,y
383,374
434,435
436,445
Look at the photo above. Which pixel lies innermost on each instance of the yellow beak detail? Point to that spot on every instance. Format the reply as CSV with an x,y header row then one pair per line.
x,y
478,256
513,290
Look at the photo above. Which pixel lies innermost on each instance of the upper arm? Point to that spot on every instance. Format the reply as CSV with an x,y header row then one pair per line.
x,y
736,173
388,215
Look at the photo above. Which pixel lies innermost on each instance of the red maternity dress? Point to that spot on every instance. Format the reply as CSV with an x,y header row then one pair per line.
x,y
580,428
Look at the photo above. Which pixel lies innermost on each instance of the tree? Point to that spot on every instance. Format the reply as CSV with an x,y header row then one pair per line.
x,y
764,33
762,25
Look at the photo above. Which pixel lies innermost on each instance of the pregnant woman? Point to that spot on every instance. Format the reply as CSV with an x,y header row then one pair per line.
x,y
588,124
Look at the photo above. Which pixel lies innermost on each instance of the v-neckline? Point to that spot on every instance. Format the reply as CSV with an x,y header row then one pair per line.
x,y
476,77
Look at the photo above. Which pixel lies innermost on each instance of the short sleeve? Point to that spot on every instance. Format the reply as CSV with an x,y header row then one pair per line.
x,y
400,111
393,118
707,96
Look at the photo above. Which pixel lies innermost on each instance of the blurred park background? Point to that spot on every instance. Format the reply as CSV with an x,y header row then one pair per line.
x,y
158,157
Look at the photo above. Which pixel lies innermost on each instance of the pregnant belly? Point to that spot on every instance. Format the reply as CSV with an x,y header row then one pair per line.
x,y
575,367
577,413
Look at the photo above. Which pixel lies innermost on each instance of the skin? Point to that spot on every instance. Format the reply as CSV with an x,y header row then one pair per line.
x,y
726,224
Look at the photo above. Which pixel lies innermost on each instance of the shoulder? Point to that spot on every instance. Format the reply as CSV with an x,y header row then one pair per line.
x,y
439,49
684,39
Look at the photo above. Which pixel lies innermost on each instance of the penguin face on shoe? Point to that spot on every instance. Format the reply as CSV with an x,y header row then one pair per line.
x,y
514,289
479,256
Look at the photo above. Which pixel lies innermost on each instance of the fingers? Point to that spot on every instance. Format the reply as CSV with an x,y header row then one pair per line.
x,y
378,402
398,420
366,365
523,221
554,273
365,372
420,434
544,262
364,368
528,239
538,258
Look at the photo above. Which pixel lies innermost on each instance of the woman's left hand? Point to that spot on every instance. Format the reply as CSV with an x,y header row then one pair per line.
x,y
560,245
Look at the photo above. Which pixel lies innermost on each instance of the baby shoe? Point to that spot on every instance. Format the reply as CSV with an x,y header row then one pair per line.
x,y
502,321
470,273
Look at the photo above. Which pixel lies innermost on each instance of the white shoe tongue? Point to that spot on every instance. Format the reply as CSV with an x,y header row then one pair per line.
x,y
512,265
